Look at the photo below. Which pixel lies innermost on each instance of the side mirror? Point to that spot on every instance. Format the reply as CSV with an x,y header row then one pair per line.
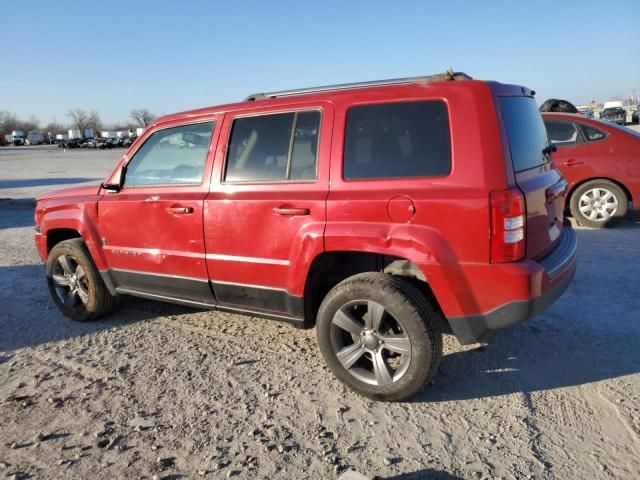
x,y
112,187
115,187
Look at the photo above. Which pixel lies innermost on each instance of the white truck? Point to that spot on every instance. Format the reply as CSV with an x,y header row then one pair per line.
x,y
16,137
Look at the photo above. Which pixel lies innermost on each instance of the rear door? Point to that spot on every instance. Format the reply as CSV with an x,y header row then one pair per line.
x,y
265,214
573,155
542,185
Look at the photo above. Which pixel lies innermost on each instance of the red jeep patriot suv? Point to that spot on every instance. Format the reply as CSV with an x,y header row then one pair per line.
x,y
384,213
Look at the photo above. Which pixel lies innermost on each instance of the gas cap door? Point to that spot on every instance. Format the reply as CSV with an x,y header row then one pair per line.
x,y
401,209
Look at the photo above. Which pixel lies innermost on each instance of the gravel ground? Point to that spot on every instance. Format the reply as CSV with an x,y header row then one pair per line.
x,y
166,391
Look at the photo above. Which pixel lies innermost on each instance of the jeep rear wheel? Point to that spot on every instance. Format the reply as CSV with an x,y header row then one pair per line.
x,y
378,335
75,283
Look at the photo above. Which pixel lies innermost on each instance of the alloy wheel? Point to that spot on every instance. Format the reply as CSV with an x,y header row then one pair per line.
x,y
370,343
70,282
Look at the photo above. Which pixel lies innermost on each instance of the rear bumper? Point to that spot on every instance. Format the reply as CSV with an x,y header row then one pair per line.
x,y
558,271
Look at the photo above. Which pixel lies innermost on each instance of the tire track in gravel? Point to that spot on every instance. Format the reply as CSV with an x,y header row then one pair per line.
x,y
535,436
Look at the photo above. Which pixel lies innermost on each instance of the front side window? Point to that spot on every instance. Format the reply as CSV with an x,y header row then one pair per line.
x,y
562,134
275,147
397,140
173,156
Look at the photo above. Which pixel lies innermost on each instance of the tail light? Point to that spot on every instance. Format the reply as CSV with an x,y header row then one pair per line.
x,y
508,224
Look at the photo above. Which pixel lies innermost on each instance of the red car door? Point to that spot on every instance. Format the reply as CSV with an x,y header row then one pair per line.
x,y
151,229
573,157
265,214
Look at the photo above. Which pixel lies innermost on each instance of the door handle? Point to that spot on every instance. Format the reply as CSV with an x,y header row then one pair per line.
x,y
291,211
180,210
572,162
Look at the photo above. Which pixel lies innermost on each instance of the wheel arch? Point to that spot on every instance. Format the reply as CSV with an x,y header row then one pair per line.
x,y
576,185
332,267
70,223
57,235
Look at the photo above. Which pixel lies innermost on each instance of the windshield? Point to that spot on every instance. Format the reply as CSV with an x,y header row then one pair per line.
x,y
525,132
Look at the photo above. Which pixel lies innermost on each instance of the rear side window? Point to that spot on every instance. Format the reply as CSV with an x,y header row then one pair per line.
x,y
397,140
525,132
562,133
276,147
593,134
173,156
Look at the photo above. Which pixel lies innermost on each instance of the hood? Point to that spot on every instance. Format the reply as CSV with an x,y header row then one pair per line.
x,y
70,192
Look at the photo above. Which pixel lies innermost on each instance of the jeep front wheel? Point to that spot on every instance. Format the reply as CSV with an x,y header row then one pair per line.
x,y
75,283
378,335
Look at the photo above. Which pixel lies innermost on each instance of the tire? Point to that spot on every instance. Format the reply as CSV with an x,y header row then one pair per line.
x,y
347,323
611,201
71,268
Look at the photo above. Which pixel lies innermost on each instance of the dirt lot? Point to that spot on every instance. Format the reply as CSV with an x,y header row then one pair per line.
x,y
160,390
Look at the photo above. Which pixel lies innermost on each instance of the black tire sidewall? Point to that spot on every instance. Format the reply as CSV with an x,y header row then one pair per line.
x,y
78,251
409,316
613,188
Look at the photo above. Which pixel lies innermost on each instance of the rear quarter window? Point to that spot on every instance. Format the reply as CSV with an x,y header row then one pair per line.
x,y
525,132
397,140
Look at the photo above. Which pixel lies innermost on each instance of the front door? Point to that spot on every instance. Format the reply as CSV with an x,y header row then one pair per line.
x,y
265,213
152,228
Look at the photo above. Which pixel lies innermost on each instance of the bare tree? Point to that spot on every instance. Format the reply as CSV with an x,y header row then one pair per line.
x,y
94,120
32,124
80,119
54,127
142,116
9,122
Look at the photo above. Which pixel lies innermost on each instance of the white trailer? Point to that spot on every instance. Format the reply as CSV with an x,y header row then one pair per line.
x,y
62,137
75,135
35,138
612,104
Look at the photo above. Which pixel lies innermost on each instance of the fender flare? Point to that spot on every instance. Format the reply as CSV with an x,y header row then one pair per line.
x,y
81,219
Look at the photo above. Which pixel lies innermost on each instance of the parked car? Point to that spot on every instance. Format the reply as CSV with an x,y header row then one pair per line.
x,y
587,112
127,142
601,162
71,143
104,143
614,114
383,213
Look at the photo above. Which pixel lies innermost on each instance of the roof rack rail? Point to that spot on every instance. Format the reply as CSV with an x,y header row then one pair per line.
x,y
448,75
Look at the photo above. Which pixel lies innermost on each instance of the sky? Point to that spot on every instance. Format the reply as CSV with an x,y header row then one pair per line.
x,y
114,56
